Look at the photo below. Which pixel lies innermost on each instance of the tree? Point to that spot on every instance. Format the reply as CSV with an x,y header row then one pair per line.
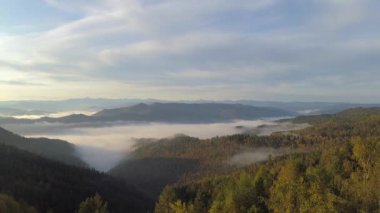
x,y
289,188
180,207
8,204
364,182
365,152
93,204
167,196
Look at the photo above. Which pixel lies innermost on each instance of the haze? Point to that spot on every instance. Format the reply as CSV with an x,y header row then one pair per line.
x,y
319,50
103,147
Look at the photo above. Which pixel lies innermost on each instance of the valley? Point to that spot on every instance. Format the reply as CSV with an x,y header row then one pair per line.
x,y
211,106
156,158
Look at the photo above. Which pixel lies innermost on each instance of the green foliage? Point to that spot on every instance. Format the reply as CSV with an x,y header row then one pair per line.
x,y
166,198
302,187
93,204
180,207
167,203
364,181
364,152
151,175
50,185
337,171
53,149
9,205
245,195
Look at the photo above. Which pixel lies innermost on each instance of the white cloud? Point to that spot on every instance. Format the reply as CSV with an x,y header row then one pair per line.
x,y
193,44
195,74
103,147
338,14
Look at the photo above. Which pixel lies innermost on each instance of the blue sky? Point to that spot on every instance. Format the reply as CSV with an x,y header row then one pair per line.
x,y
287,50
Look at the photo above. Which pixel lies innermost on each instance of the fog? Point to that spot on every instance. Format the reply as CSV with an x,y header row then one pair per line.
x,y
104,146
53,114
267,129
261,154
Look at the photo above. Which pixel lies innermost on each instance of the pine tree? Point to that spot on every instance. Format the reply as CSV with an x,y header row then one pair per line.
x,y
93,204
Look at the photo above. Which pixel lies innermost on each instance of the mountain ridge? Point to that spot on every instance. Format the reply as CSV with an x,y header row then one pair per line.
x,y
53,149
25,107
168,112
52,186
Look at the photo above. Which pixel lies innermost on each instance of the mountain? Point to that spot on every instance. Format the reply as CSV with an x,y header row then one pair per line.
x,y
156,163
189,113
307,108
152,174
69,104
38,107
168,112
9,204
13,112
51,186
337,169
200,172
54,149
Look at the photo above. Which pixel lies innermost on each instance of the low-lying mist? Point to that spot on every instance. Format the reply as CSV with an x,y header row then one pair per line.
x,y
103,147
253,156
53,114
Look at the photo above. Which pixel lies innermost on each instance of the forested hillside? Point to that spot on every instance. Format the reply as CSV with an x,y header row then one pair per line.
x,y
50,185
337,172
9,204
50,148
156,163
189,112
164,112
331,166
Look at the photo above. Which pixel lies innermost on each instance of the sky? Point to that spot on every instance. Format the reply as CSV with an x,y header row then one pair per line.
x,y
285,50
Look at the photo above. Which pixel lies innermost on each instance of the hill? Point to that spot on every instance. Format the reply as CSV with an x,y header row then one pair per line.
x,y
50,185
54,149
190,113
9,204
339,174
183,159
8,108
168,112
203,163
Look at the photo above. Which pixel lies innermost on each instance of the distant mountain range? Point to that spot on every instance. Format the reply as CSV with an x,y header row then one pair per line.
x,y
4,111
85,104
40,171
168,112
11,108
307,108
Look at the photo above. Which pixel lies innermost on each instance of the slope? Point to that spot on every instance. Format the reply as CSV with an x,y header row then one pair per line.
x,y
50,148
166,112
50,185
340,174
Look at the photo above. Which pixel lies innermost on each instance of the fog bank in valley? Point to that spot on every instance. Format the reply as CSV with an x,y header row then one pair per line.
x,y
103,147
33,115
253,156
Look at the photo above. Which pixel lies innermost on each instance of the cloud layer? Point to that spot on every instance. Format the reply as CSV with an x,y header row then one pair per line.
x,y
104,147
262,49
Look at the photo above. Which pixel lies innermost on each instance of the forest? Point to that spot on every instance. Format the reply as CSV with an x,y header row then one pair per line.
x,y
189,106
50,186
53,149
331,166
335,170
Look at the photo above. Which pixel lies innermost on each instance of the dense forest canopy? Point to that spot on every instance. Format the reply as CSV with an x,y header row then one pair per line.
x,y
54,149
339,174
331,166
50,185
